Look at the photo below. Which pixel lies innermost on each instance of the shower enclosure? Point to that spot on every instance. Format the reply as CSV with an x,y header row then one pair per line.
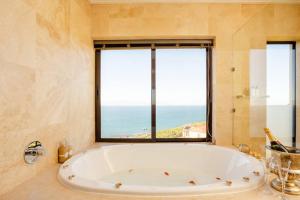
x,y
264,79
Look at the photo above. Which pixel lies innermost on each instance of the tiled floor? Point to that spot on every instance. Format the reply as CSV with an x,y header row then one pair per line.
x,y
46,187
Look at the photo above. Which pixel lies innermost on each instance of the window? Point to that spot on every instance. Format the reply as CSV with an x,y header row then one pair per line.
x,y
151,92
125,93
281,91
181,93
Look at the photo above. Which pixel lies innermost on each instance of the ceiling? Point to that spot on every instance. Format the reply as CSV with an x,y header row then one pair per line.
x,y
193,1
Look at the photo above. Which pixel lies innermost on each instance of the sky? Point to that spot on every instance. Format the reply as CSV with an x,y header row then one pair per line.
x,y
180,77
279,74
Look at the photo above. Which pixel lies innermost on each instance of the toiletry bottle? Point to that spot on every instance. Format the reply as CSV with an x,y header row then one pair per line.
x,y
62,152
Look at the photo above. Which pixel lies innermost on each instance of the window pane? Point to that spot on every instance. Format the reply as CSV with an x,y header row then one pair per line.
x,y
125,93
281,91
181,93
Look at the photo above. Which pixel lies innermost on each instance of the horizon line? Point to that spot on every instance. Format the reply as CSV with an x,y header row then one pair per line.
x,y
186,105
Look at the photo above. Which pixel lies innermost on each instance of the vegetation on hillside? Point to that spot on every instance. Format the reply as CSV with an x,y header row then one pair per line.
x,y
169,133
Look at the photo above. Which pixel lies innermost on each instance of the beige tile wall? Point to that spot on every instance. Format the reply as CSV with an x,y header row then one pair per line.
x,y
237,28
47,71
46,81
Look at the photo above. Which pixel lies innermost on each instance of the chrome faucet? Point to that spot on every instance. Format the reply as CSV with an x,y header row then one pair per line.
x,y
244,148
33,151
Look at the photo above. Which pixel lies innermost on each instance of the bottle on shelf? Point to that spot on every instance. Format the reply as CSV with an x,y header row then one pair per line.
x,y
274,142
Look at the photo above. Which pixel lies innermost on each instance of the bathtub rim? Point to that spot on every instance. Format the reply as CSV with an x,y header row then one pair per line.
x,y
136,190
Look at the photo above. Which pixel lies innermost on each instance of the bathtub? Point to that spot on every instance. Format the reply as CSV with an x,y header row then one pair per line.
x,y
162,169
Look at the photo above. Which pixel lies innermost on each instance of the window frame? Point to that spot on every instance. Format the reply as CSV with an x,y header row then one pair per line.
x,y
153,45
293,44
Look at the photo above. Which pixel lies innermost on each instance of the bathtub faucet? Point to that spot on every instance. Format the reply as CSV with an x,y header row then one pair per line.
x,y
33,151
244,148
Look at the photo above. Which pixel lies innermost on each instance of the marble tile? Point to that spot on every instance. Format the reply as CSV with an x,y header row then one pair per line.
x,y
17,33
46,82
47,71
46,186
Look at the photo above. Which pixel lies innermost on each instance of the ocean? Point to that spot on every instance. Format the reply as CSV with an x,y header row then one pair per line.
x,y
124,121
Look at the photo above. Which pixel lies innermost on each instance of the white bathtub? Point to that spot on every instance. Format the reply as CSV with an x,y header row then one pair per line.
x,y
162,169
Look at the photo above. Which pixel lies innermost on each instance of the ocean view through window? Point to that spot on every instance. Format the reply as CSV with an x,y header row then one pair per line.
x,y
148,94
181,93
125,93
